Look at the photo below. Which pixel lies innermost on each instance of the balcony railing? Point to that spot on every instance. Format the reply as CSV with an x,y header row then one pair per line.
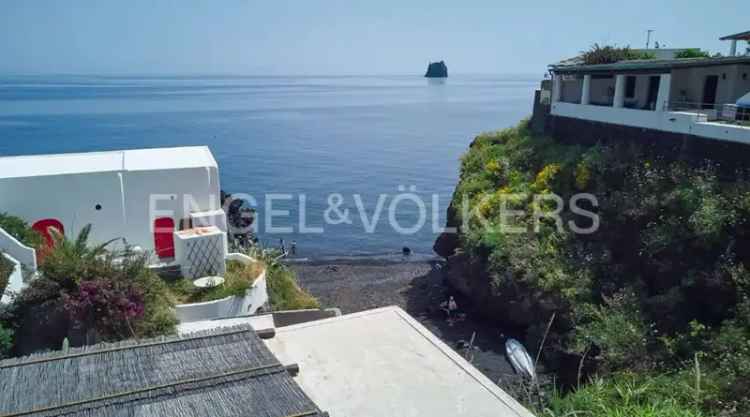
x,y
726,112
712,111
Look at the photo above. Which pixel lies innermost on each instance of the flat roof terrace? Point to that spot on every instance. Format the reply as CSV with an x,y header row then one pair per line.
x,y
645,66
383,363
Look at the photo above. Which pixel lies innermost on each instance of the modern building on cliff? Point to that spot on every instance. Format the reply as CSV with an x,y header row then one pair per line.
x,y
700,97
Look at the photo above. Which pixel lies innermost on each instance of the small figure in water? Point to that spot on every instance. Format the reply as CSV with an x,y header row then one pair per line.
x,y
293,248
282,248
406,251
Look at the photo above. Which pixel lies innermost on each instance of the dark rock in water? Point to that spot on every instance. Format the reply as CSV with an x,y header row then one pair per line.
x,y
437,70
446,244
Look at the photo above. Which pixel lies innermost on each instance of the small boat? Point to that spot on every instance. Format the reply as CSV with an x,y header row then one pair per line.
x,y
519,358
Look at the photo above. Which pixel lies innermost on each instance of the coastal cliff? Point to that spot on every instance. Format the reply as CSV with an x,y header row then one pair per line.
x,y
662,279
437,70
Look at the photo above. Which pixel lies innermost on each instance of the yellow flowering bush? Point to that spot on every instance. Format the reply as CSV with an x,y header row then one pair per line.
x,y
582,175
545,177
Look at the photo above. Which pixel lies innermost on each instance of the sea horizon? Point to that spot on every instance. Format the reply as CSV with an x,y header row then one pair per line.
x,y
308,137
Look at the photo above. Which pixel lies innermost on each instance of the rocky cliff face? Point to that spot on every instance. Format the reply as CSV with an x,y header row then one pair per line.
x,y
668,252
437,70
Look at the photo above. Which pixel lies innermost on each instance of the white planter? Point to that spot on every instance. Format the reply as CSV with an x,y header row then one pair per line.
x,y
255,297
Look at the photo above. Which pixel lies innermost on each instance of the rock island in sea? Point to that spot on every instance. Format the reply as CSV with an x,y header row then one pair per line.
x,y
437,70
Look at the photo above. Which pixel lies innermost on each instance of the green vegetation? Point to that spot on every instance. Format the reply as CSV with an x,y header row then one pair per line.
x,y
692,53
283,290
6,268
6,341
610,54
631,395
661,283
20,230
237,281
113,293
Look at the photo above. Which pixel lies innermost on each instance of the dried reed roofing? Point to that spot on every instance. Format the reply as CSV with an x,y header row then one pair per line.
x,y
114,161
229,372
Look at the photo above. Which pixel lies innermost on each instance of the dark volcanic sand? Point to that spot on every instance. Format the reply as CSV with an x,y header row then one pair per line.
x,y
418,288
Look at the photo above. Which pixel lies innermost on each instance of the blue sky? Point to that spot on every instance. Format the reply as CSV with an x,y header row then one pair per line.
x,y
339,37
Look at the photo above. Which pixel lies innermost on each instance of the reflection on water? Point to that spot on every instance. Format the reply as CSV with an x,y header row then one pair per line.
x,y
298,135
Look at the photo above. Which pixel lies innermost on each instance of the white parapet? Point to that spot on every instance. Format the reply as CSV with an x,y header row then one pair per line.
x,y
24,254
684,122
15,281
234,306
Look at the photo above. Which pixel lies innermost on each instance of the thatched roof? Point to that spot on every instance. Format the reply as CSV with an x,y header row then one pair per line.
x,y
228,372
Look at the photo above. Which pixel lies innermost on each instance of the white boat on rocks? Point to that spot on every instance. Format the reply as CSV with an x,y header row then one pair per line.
x,y
519,358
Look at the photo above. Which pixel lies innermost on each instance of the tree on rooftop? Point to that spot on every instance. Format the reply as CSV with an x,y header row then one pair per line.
x,y
610,54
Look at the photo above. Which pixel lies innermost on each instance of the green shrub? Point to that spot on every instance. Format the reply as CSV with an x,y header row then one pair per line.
x,y
617,329
610,54
692,53
627,395
237,280
731,350
284,292
663,279
6,342
73,261
114,292
6,268
20,230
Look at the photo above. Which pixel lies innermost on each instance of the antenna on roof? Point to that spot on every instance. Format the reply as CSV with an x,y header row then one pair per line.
x,y
648,37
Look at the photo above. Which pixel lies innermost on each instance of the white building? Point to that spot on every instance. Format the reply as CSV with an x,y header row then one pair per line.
x,y
694,96
141,196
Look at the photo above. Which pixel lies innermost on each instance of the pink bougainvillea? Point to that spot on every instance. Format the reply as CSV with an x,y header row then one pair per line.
x,y
110,307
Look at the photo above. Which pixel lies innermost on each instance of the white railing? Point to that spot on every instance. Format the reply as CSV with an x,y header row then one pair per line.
x,y
732,112
22,253
15,281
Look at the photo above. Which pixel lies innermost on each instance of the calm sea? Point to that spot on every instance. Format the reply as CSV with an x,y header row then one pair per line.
x,y
376,137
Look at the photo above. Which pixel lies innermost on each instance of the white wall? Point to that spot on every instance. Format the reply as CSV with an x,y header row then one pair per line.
x,y
722,131
678,122
620,116
171,193
24,254
691,81
72,199
15,282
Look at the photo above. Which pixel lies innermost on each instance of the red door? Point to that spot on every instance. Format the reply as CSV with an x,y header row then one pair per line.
x,y
163,238
43,226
